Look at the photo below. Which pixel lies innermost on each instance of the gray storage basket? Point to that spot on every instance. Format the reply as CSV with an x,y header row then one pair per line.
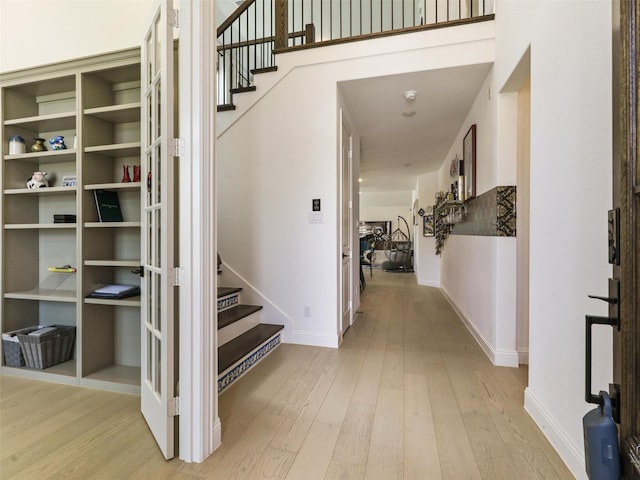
x,y
12,352
48,349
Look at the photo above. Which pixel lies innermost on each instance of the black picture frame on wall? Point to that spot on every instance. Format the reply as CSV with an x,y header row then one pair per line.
x,y
428,226
469,157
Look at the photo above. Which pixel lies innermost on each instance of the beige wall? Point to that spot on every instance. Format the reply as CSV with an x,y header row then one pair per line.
x,y
37,32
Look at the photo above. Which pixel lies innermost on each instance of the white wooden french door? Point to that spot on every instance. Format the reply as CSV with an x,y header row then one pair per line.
x,y
157,375
346,222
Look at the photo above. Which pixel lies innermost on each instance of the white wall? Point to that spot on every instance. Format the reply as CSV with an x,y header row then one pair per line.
x,y
426,262
570,195
36,32
269,181
478,274
387,206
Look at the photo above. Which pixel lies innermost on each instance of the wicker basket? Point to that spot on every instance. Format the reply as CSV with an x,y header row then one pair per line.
x,y
48,349
11,347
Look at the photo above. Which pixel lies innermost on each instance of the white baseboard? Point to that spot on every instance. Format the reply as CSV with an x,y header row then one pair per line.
x,y
314,339
500,358
523,356
570,453
428,283
505,358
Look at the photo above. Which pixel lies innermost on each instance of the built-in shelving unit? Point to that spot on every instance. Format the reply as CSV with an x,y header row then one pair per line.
x,y
95,104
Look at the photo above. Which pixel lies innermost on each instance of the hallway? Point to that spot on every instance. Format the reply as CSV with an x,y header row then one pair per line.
x,y
409,395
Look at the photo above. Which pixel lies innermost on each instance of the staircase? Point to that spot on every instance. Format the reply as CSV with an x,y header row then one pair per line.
x,y
242,340
249,39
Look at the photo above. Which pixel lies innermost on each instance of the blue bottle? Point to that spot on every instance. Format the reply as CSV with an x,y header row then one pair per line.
x,y
601,453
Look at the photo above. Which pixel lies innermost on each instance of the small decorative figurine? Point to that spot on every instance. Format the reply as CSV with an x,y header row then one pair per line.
x,y
39,145
16,145
38,180
125,174
57,143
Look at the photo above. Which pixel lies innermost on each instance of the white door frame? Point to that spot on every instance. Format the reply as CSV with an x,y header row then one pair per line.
x,y
200,428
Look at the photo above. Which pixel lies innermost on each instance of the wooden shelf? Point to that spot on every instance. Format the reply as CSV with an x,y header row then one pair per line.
x,y
49,156
113,224
41,191
122,302
117,373
129,149
126,113
68,296
39,226
112,263
67,369
45,123
113,186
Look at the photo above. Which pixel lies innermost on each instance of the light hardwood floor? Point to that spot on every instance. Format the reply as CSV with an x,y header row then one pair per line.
x,y
409,395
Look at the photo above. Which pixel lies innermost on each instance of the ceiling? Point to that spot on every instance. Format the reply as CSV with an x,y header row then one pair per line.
x,y
394,149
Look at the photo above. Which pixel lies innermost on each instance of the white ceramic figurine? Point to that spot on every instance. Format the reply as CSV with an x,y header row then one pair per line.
x,y
38,180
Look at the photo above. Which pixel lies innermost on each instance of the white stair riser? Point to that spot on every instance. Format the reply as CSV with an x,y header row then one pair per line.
x,y
230,332
228,301
241,367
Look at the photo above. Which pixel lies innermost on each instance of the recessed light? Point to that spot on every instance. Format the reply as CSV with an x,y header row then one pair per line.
x,y
360,180
408,114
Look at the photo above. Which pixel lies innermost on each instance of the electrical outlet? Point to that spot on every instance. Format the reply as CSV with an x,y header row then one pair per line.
x,y
307,310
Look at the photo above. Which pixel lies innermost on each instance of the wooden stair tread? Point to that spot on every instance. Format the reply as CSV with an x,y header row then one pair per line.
x,y
227,317
264,70
224,291
231,352
227,107
250,88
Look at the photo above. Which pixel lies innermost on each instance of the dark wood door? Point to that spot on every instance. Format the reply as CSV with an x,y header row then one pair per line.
x,y
626,197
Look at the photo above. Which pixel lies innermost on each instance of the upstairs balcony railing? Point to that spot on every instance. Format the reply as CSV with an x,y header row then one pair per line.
x,y
249,39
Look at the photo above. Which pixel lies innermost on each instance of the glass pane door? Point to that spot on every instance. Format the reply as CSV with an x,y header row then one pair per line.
x,y
157,389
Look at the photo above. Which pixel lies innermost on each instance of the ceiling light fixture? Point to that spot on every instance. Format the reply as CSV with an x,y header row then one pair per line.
x,y
410,95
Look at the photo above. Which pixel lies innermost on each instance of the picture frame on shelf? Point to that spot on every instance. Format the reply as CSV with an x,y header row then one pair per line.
x,y
428,225
469,157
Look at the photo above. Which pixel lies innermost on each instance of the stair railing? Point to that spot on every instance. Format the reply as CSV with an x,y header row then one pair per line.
x,y
249,38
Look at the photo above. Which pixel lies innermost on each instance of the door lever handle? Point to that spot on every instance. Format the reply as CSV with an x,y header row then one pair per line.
x,y
593,320
610,300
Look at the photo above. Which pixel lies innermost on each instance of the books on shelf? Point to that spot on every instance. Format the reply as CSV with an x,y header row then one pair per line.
x,y
64,218
115,292
108,205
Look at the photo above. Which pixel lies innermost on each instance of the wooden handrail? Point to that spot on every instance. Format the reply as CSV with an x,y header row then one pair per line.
x,y
388,33
259,41
234,16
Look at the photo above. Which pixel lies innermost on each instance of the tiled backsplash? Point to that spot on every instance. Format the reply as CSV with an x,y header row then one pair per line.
x,y
491,214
